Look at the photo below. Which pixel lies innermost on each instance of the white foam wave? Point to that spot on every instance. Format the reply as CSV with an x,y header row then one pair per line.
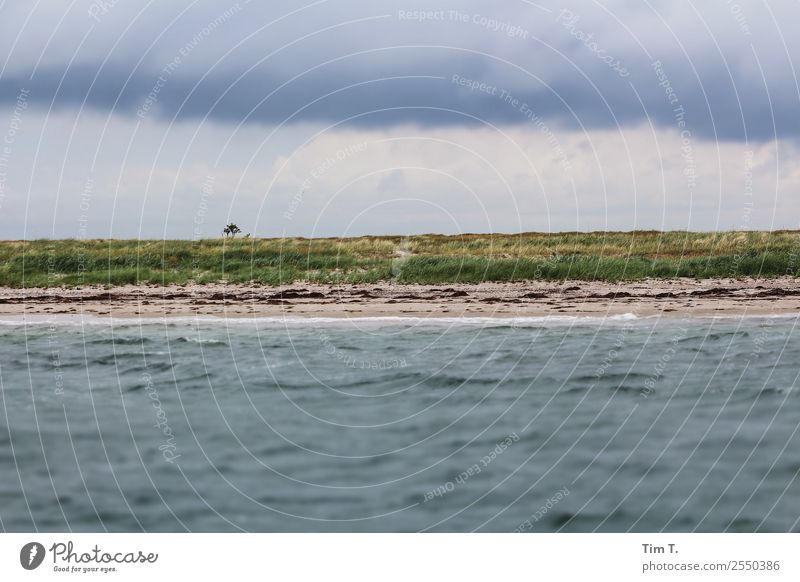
x,y
85,320
80,320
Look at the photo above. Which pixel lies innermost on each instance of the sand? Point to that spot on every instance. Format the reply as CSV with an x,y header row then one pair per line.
x,y
729,297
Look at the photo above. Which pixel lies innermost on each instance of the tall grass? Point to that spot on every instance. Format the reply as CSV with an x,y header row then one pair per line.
x,y
470,258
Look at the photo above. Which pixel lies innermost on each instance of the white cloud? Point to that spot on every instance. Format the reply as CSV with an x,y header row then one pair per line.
x,y
146,179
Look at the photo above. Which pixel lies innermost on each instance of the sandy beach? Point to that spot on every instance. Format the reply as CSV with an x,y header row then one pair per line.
x,y
730,297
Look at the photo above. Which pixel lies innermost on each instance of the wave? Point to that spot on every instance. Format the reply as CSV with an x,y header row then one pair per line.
x,y
81,320
97,320
199,340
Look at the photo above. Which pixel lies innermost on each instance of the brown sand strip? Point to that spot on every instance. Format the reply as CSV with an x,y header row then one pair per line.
x,y
670,297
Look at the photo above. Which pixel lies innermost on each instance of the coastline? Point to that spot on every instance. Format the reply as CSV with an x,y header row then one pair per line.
x,y
668,297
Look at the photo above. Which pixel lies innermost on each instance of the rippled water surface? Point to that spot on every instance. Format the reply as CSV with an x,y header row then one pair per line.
x,y
400,425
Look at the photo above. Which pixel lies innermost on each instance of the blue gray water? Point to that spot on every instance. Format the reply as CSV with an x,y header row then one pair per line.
x,y
387,425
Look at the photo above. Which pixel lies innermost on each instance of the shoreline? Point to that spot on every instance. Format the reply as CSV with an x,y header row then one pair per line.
x,y
668,297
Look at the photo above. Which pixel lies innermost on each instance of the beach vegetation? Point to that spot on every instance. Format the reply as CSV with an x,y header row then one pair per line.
x,y
427,259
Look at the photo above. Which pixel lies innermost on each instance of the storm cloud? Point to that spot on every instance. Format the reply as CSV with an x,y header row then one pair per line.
x,y
727,66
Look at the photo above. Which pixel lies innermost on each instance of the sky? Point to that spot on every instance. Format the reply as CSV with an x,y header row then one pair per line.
x,y
123,119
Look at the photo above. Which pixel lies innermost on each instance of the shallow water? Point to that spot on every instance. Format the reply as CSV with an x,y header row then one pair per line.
x,y
400,424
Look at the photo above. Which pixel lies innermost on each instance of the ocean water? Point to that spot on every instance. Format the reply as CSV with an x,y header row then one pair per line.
x,y
550,424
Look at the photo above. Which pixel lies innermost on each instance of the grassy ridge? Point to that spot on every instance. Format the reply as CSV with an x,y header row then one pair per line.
x,y
610,256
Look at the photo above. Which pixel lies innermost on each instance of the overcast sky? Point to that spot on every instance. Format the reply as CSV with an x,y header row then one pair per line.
x,y
167,119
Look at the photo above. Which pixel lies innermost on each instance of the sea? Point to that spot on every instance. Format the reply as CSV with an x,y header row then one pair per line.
x,y
550,424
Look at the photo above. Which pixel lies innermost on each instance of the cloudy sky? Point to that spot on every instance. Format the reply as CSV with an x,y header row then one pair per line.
x,y
335,117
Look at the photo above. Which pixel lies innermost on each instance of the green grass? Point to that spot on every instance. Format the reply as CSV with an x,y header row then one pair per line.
x,y
608,256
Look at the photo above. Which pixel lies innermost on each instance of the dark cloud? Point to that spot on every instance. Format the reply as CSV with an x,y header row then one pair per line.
x,y
726,76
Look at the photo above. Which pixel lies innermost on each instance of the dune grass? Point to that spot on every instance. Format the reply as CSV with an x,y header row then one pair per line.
x,y
432,259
